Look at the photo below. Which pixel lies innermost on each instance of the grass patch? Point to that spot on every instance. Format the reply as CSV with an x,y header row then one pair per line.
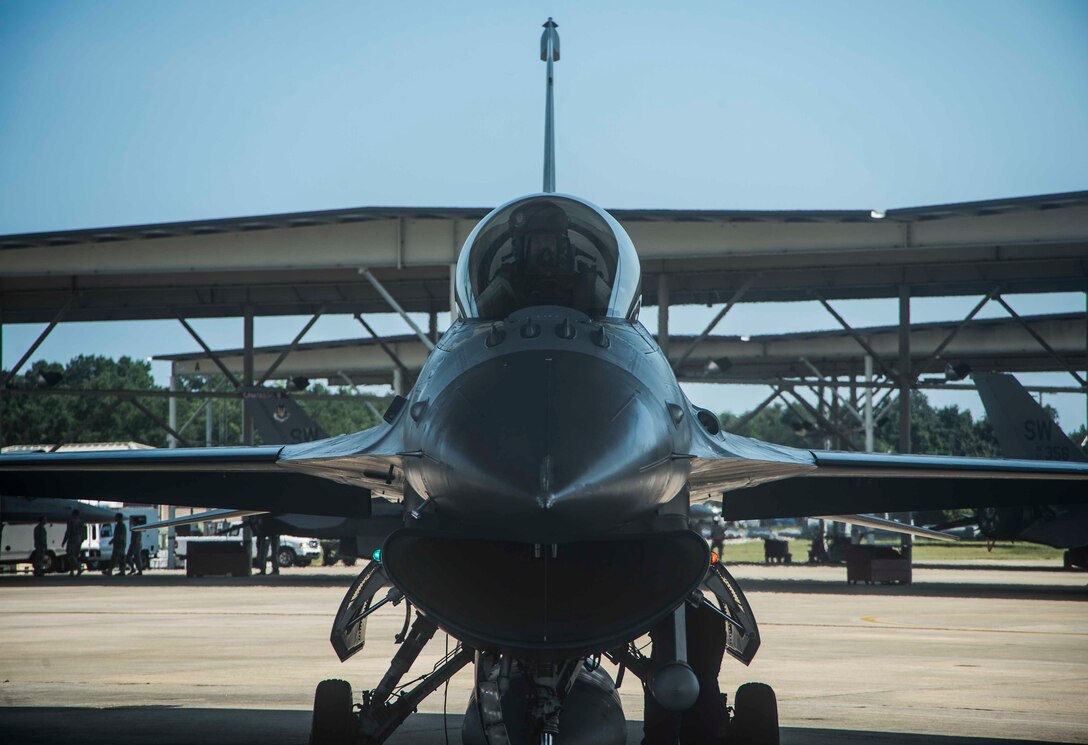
x,y
924,550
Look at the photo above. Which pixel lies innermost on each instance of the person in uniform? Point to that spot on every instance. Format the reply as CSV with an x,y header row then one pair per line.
x,y
117,558
74,536
717,535
41,541
262,551
274,544
136,546
817,553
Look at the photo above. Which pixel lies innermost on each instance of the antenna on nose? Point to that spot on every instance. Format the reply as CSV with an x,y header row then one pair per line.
x,y
549,52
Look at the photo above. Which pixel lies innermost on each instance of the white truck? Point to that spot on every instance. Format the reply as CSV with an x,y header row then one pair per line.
x,y
17,544
99,544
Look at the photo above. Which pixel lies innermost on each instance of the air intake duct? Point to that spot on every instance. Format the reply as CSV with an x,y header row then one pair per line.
x,y
546,601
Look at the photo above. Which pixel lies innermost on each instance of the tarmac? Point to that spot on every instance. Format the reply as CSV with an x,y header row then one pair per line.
x,y
968,654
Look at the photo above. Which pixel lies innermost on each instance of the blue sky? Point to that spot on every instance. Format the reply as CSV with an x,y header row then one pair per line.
x,y
116,113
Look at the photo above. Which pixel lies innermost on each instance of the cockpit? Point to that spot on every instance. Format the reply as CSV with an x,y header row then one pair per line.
x,y
548,250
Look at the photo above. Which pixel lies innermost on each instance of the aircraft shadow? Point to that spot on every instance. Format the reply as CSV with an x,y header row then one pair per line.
x,y
164,725
304,578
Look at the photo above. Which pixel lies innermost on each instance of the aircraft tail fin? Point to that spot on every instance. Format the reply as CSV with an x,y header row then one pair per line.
x,y
1022,426
281,421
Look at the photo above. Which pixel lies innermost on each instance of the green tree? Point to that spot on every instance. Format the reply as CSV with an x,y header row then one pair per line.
x,y
776,423
44,419
943,431
41,419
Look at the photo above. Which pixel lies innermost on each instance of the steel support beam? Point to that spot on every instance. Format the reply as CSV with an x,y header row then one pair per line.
x,y
454,312
207,350
396,307
856,336
833,385
172,411
290,348
924,367
904,369
1042,342
756,411
868,404
381,343
158,420
663,313
824,421
38,342
737,296
3,379
247,374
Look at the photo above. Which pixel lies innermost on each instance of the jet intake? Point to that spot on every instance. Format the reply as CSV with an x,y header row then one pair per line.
x,y
546,601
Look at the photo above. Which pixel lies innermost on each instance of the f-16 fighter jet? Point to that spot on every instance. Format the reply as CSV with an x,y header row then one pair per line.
x,y
544,465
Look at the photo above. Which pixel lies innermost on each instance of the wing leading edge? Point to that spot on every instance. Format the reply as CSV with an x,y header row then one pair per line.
x,y
845,483
333,477
759,480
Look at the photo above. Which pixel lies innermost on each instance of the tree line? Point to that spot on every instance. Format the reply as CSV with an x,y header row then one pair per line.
x,y
945,430
48,419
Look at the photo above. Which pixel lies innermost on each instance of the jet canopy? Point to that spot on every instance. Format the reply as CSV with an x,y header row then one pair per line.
x,y
548,250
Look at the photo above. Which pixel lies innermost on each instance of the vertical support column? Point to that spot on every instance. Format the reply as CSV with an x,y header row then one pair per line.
x,y
247,374
905,539
172,408
208,423
172,511
663,313
398,381
868,403
3,395
432,326
247,418
454,314
904,369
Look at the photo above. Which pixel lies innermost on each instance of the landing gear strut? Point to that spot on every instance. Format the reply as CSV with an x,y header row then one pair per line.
x,y
381,711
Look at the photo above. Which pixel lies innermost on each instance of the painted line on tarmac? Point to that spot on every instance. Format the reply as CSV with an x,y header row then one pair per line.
x,y
909,627
905,627
126,612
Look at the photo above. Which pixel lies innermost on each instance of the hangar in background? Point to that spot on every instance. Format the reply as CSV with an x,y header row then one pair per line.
x,y
376,259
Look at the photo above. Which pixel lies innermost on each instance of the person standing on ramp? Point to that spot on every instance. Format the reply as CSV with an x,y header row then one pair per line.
x,y
117,558
136,546
41,540
73,542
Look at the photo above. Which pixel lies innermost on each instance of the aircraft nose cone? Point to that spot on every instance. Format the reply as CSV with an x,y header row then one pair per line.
x,y
569,442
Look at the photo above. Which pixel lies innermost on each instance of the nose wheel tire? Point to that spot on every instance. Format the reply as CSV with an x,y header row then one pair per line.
x,y
334,721
755,716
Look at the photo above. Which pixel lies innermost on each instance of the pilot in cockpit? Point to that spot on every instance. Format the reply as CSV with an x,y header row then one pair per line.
x,y
541,264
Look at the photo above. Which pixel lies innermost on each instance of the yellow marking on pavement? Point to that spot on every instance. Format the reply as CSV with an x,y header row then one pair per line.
x,y
893,624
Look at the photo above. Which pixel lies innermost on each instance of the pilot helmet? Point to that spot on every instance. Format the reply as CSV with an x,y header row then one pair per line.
x,y
538,231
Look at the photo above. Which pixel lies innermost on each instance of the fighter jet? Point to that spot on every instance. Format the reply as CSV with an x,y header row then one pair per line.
x,y
1025,430
545,464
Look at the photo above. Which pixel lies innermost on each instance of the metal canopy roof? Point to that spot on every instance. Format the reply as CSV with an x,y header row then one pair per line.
x,y
997,344
297,263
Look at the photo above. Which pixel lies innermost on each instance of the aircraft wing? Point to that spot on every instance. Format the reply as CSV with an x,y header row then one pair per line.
x,y
850,483
759,480
26,510
333,477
